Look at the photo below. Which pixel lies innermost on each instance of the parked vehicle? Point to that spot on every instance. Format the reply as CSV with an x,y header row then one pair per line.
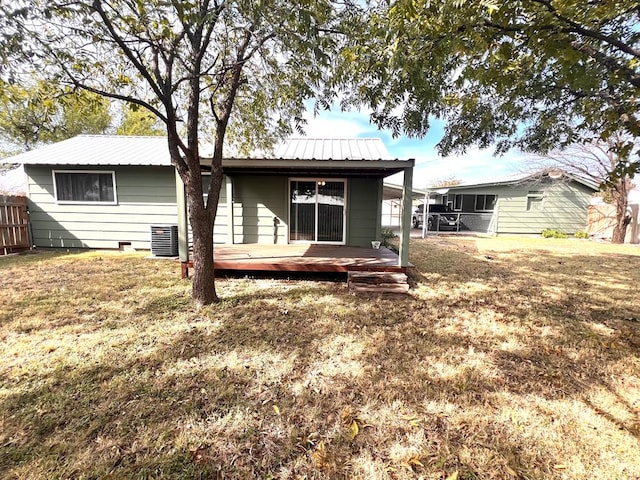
x,y
439,217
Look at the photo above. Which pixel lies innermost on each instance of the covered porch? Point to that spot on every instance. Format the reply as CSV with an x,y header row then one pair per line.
x,y
315,206
302,258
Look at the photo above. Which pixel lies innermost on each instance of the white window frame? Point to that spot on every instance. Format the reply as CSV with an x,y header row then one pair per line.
x,y
538,196
85,202
315,235
455,199
484,203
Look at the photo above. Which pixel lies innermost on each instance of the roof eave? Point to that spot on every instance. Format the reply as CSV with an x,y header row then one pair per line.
x,y
313,163
519,181
380,168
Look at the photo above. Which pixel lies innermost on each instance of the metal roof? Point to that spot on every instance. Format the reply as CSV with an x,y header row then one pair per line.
x,y
94,150
333,149
392,191
520,178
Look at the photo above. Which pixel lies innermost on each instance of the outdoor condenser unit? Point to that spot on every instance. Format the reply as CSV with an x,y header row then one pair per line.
x,y
164,240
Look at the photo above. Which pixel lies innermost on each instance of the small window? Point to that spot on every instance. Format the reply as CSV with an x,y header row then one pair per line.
x,y
534,201
485,203
84,187
457,202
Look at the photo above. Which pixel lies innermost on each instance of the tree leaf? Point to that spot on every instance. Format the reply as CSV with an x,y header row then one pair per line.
x,y
353,430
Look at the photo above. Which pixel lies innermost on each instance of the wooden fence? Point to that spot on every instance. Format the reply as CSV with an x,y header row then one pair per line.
x,y
14,224
602,218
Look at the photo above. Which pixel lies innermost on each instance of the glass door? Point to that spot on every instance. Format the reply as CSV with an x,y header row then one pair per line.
x,y
302,211
317,211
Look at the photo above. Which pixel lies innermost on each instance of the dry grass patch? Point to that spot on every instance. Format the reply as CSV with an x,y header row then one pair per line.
x,y
510,359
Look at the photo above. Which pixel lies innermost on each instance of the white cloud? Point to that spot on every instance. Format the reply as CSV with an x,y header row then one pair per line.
x,y
337,124
351,124
474,166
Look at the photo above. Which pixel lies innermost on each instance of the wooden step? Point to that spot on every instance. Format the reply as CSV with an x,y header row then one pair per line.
x,y
384,282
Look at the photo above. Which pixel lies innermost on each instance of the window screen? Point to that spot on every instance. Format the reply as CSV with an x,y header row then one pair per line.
x,y
485,203
85,187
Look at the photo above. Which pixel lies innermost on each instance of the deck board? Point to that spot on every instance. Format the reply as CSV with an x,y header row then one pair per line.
x,y
303,258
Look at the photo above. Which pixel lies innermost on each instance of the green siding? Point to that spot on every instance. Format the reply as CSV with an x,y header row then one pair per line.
x,y
220,231
363,216
261,200
146,196
260,209
564,206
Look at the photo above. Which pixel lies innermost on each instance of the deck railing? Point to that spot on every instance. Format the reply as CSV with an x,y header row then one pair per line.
x,y
14,224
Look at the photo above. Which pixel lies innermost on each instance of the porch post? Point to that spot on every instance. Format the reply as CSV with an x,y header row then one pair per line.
x,y
379,210
229,192
183,229
405,223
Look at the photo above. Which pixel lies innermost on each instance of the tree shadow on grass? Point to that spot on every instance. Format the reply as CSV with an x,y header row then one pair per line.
x,y
271,382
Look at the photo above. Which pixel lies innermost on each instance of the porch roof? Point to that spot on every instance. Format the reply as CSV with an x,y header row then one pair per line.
x,y
391,191
329,167
321,156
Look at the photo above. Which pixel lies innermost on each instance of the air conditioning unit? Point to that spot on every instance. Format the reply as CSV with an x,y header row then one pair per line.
x,y
164,240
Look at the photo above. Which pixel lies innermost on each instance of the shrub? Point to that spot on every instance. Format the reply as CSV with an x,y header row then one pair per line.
x,y
551,233
581,235
387,235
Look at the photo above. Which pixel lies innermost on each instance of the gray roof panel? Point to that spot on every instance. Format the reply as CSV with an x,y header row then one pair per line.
x,y
333,149
95,150
525,177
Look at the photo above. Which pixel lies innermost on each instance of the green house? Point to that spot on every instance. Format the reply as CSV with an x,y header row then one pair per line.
x,y
525,204
108,191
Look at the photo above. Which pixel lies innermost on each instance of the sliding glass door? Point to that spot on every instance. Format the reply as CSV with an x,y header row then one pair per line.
x,y
317,210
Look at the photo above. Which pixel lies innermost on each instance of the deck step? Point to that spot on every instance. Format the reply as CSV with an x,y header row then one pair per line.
x,y
384,282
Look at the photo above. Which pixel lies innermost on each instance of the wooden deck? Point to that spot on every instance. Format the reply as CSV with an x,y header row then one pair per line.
x,y
301,258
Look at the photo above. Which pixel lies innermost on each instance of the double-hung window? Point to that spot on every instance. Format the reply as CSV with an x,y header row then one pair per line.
x,y
72,186
534,201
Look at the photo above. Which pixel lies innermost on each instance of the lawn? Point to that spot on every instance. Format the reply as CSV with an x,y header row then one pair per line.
x,y
510,358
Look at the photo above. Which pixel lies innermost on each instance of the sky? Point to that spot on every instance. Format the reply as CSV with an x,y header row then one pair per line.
x,y
475,166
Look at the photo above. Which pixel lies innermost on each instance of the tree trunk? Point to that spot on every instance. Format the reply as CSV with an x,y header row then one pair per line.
x,y
203,280
620,228
620,195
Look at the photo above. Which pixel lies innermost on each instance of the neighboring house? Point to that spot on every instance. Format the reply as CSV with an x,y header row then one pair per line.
x,y
12,181
107,192
602,217
633,200
526,204
392,203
